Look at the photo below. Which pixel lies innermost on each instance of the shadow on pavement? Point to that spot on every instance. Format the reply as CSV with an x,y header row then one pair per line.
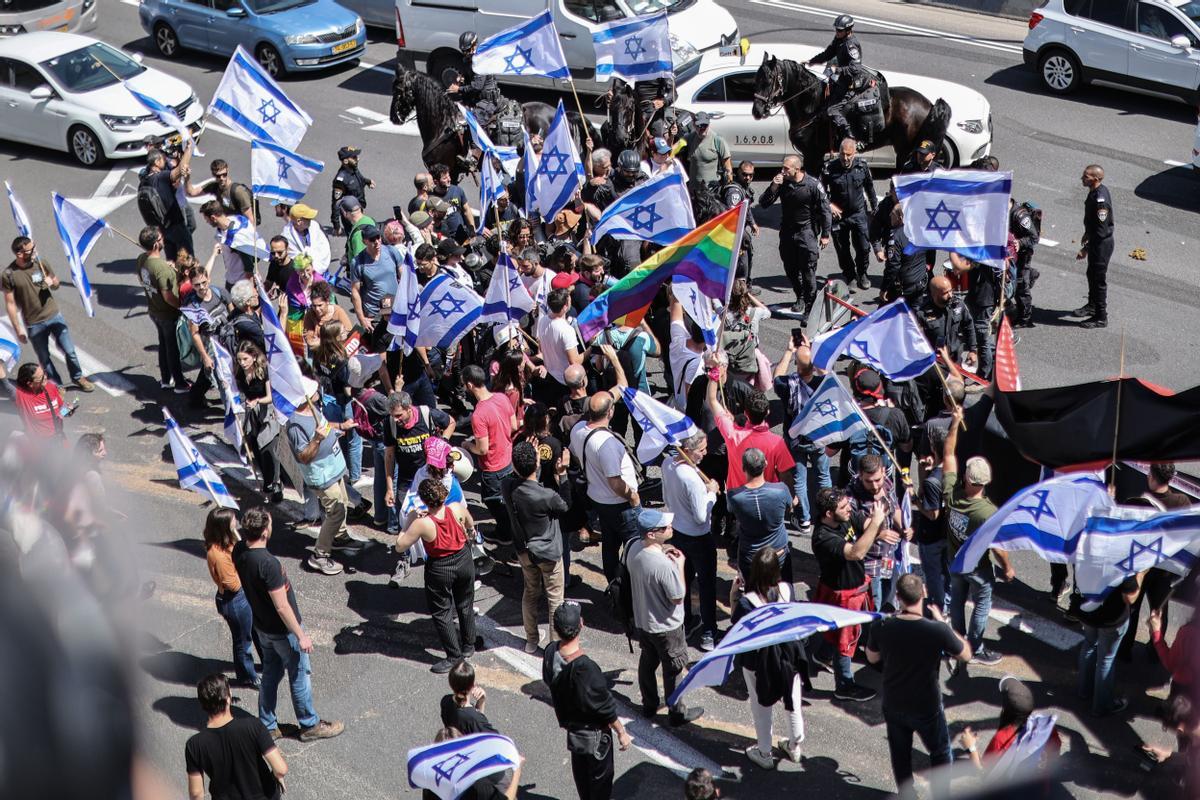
x,y
1177,187
1023,79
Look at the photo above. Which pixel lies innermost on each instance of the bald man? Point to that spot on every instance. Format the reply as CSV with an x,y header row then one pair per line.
x,y
948,323
804,228
1097,246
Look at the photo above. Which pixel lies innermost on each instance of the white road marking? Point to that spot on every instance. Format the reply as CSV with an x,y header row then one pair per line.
x,y
110,182
1170,163
1048,242
132,2
652,740
1044,630
382,123
219,128
359,111
896,26
105,377
102,206
377,68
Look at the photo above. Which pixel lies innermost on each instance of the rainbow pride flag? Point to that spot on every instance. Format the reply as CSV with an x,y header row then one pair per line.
x,y
706,255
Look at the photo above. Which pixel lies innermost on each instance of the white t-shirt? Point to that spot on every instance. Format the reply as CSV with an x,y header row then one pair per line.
x,y
606,458
235,268
688,498
556,341
539,288
685,363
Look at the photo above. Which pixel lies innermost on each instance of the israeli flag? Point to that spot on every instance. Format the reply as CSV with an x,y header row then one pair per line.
x,y
196,314
559,173
1123,541
530,176
887,339
661,425
79,232
699,306
903,557
1045,518
830,415
507,298
20,218
404,318
234,407
10,346
279,173
449,768
414,505
659,211
963,211
287,384
491,186
249,101
770,624
1025,754
635,49
193,470
242,236
447,311
524,50
165,114
508,156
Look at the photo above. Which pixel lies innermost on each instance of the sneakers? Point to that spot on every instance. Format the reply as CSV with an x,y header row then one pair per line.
x,y
443,666
322,730
84,385
360,511
182,388
806,528
985,656
854,693
676,719
1094,322
793,749
531,647
346,544
400,573
707,645
276,734
166,386
1083,311
764,760
322,563
864,282
823,664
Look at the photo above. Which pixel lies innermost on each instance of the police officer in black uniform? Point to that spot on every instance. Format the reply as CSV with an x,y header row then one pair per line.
x,y
846,54
348,181
846,180
805,217
1024,227
947,322
983,293
479,92
925,158
653,97
1097,246
904,274
623,254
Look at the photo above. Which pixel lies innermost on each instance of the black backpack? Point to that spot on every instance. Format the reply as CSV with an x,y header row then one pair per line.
x,y
150,204
620,598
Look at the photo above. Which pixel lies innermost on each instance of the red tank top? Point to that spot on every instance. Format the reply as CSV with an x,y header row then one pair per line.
x,y
450,536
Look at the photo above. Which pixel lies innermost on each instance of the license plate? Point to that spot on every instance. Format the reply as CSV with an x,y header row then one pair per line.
x,y
344,46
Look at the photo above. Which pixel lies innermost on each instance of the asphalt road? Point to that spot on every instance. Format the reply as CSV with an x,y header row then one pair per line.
x,y
370,667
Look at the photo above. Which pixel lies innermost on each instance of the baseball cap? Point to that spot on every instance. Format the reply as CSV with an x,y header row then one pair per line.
x,y
926,147
650,519
349,203
448,247
979,471
437,204
867,383
420,219
371,232
702,119
568,620
660,145
437,452
1015,697
301,211
349,151
564,280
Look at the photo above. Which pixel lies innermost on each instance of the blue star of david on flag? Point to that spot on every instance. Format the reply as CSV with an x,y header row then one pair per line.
x,y
284,167
447,305
859,351
525,56
828,416
826,408
634,47
952,220
448,769
1042,509
651,217
1136,548
444,769
560,160
269,112
272,347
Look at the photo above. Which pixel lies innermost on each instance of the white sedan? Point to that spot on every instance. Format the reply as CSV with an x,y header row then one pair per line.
x,y
64,91
723,86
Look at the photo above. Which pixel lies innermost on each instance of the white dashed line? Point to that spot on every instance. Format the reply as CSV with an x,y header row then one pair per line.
x,y
110,182
377,68
1035,625
1170,163
1048,242
105,376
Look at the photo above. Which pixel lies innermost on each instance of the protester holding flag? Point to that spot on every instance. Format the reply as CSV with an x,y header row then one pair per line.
x,y
794,389
206,309
158,199
872,487
261,427
240,244
1016,712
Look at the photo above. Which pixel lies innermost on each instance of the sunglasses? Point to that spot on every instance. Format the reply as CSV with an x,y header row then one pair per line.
x,y
220,175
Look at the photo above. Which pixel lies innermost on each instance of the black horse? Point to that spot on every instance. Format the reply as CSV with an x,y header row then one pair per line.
x,y
438,120
908,117
620,131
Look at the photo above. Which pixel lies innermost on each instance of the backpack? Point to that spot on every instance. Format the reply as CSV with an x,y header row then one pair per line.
x,y
150,204
189,357
368,426
246,191
739,344
619,594
863,443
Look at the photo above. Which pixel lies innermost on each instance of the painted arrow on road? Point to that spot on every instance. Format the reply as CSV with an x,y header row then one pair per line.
x,y
381,123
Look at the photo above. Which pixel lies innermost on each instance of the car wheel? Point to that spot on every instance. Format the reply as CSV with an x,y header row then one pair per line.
x,y
440,61
1060,71
84,146
165,40
270,60
948,154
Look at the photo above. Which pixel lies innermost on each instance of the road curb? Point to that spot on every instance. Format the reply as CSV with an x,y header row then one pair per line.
x,y
1013,9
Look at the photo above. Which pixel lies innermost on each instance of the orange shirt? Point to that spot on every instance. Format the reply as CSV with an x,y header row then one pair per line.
x,y
220,567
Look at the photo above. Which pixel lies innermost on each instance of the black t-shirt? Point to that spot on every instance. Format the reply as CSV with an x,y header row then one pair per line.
x,y
829,546
912,656
232,758
578,690
261,573
467,720
929,497
483,789
410,442
894,420
1112,612
550,451
161,181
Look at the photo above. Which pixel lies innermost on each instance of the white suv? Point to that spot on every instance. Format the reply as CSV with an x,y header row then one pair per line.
x,y
1151,45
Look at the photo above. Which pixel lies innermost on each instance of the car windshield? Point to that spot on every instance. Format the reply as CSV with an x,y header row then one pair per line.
x,y
275,6
687,70
92,67
1190,9
639,7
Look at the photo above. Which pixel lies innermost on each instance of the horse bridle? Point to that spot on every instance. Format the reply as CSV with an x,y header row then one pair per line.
x,y
409,96
777,89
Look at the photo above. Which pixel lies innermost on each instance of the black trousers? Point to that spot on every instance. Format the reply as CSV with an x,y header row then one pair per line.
x,y
699,562
449,589
669,651
852,230
594,776
1026,277
799,253
1156,590
1098,254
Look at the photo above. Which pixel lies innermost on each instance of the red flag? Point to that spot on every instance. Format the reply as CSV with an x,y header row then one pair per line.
x,y
1008,374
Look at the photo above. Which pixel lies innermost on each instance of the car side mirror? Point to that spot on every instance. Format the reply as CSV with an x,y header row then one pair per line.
x,y
1181,41
43,92
236,12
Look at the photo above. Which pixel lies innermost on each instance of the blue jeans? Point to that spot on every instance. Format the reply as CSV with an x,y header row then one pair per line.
x,y
808,460
282,653
935,563
934,735
978,585
352,443
883,591
169,367
618,524
384,516
1097,673
235,609
39,336
843,667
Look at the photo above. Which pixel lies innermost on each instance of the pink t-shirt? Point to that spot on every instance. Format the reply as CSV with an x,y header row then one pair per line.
x,y
491,418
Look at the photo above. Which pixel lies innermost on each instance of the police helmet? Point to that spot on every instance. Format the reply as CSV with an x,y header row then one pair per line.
x,y
467,41
628,161
449,77
844,22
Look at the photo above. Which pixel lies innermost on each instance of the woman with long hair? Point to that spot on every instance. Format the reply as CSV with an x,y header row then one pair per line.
x,y
322,309
536,431
772,673
220,535
260,427
740,339
298,297
511,379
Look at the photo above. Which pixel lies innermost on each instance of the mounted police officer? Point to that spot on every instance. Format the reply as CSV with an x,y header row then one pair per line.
x,y
653,96
348,181
846,73
479,92
848,182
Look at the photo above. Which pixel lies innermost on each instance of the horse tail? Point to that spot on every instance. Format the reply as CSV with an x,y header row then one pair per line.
x,y
936,123
885,94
